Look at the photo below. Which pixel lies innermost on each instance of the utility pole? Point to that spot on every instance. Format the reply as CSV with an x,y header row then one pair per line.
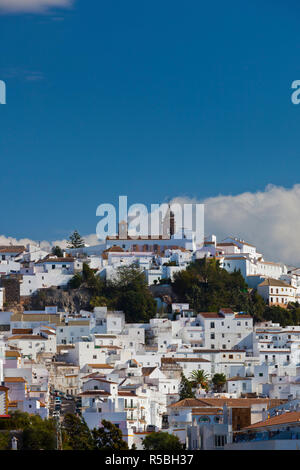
x,y
58,435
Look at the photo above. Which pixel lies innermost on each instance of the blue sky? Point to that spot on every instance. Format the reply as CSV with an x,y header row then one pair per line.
x,y
153,100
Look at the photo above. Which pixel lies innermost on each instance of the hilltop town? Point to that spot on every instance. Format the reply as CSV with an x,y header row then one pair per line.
x,y
195,351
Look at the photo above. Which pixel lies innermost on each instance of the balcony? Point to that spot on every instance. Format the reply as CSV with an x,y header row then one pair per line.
x,y
267,436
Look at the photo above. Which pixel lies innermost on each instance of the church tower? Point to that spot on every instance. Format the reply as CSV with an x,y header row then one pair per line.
x,y
168,225
123,230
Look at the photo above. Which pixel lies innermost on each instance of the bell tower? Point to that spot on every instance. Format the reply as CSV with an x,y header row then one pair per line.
x,y
123,230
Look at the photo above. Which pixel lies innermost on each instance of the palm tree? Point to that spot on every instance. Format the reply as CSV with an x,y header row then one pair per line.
x,y
219,380
199,378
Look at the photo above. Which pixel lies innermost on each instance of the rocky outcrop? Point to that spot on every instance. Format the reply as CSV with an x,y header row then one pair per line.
x,y
72,300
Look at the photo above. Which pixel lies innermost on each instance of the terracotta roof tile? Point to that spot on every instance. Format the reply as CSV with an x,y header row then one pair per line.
x,y
285,418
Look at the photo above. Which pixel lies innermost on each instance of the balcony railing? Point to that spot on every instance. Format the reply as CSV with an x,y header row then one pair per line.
x,y
267,436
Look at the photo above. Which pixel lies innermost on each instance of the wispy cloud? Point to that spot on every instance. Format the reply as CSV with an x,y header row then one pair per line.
x,y
21,74
32,6
32,76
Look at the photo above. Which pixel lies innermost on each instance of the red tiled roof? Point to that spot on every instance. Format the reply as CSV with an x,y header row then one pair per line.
x,y
172,360
285,418
12,249
13,379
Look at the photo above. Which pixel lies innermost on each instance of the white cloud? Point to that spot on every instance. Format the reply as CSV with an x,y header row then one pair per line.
x,y
269,219
4,240
45,244
32,6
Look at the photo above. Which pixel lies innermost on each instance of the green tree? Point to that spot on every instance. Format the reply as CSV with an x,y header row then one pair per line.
x,y
207,287
57,251
76,281
108,437
130,293
75,240
37,433
76,434
218,381
185,388
280,315
88,279
162,441
5,440
88,274
18,420
199,378
98,301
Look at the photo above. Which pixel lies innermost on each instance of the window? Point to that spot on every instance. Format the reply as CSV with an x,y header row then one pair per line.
x,y
204,419
212,336
220,441
212,324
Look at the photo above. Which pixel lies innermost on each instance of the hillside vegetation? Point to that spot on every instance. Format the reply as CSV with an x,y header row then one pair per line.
x,y
204,285
207,287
